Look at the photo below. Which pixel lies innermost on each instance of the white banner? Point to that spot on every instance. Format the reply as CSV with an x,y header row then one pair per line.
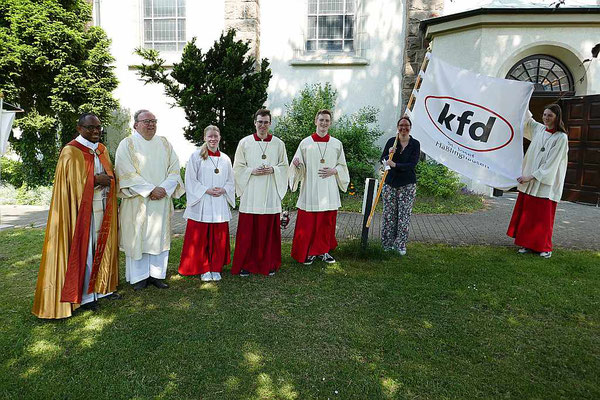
x,y
472,123
6,122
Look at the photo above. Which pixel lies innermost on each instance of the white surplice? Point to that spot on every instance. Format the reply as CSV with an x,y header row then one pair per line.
x,y
260,194
98,207
548,167
316,193
145,225
200,176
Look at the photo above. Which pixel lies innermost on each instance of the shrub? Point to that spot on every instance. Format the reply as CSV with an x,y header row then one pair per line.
x,y
117,129
359,135
34,196
11,171
299,119
436,180
181,202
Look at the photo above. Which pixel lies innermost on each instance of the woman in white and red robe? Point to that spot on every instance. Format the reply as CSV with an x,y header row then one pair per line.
x,y
541,185
210,187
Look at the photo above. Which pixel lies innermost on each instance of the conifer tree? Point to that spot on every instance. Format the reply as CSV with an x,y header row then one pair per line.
x,y
221,87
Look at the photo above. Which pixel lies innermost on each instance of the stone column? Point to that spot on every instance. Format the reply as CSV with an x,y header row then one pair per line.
x,y
244,17
416,46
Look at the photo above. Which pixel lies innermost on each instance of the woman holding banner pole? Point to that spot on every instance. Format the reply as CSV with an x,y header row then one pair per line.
x,y
541,183
400,187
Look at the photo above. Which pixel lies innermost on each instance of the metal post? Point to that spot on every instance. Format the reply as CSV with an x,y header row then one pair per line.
x,y
370,185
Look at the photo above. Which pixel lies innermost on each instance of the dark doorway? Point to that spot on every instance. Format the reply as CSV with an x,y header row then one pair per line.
x,y
582,117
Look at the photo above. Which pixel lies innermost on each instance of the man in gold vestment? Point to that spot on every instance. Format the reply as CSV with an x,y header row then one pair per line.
x,y
80,257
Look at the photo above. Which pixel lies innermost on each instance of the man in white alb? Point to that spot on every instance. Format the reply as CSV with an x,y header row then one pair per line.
x,y
148,175
319,168
260,170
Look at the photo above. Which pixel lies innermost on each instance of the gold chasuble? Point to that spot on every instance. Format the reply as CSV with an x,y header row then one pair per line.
x,y
64,255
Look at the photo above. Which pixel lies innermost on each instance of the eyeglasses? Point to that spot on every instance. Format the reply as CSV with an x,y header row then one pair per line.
x,y
148,121
92,127
262,122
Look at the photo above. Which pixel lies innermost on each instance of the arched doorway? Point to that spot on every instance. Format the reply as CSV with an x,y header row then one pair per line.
x,y
554,83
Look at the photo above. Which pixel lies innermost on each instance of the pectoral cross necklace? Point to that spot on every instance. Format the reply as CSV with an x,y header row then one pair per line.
x,y
263,156
215,165
544,138
323,152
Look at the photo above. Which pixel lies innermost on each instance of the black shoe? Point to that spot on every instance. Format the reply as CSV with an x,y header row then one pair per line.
x,y
159,283
327,258
140,285
272,273
92,306
244,273
310,260
113,296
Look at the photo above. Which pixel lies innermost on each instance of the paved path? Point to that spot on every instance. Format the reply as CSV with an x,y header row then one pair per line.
x,y
576,226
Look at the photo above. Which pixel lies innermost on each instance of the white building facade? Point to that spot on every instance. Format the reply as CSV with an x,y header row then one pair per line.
x,y
369,50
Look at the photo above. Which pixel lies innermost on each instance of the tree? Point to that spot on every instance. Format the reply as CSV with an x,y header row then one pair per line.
x,y
299,119
221,87
357,132
55,67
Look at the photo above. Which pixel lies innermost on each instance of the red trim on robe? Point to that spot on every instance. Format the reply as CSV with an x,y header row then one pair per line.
x,y
106,218
532,222
267,139
257,244
72,290
550,130
214,154
317,138
205,248
314,234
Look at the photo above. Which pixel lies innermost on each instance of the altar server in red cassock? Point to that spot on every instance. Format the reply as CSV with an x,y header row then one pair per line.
x,y
541,185
260,168
210,191
319,168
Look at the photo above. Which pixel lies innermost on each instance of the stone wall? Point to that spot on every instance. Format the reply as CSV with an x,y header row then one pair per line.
x,y
244,17
416,45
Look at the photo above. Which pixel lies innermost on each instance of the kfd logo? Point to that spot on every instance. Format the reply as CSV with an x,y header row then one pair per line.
x,y
469,125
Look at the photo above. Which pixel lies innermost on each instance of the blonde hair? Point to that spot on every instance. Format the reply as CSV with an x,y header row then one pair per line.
x,y
204,147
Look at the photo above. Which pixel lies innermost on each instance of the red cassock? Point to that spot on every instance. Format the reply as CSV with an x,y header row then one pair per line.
x,y
532,222
205,248
314,234
257,244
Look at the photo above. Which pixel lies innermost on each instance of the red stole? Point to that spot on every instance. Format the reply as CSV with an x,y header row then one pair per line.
x,y
267,139
318,138
73,287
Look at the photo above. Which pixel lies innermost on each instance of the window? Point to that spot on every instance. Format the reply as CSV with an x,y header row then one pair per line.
x,y
331,25
549,75
164,24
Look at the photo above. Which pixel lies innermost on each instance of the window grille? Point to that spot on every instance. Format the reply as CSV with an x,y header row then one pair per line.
x,y
164,24
331,25
549,75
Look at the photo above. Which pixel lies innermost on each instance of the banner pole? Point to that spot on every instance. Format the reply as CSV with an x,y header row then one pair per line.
x,y
410,104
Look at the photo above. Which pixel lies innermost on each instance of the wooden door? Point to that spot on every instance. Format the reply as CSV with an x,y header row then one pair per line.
x,y
582,117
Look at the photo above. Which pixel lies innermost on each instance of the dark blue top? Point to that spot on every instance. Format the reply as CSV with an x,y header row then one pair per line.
x,y
404,171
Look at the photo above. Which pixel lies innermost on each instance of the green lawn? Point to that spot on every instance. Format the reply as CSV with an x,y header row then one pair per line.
x,y
441,323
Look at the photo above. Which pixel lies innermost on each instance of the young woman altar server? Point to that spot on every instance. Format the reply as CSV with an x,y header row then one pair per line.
x,y
541,185
209,186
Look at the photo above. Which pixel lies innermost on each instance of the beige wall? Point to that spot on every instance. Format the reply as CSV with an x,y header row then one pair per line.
x,y
494,50
372,79
122,21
